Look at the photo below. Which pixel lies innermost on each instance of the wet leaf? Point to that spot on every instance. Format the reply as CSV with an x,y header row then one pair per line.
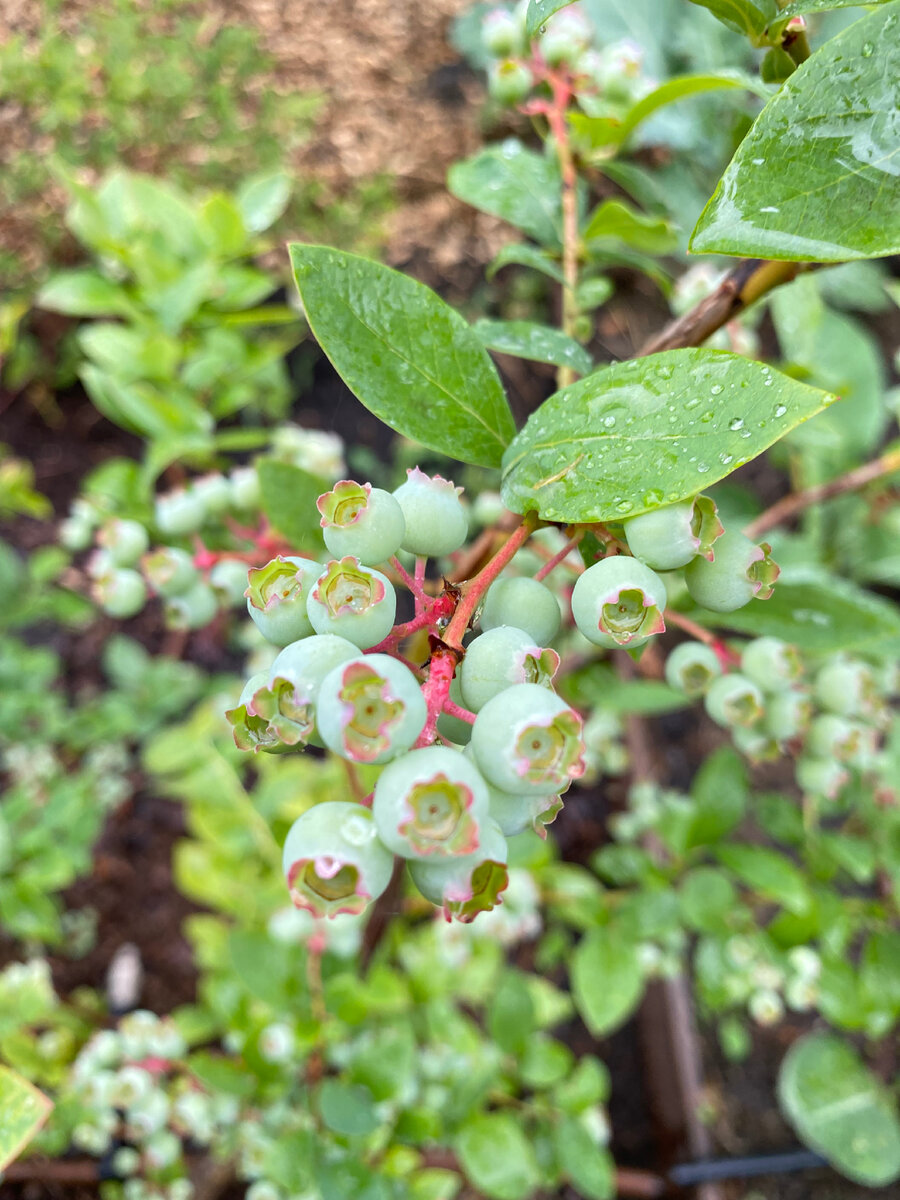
x,y
799,7
692,416
409,357
514,183
743,16
818,176
539,343
617,220
289,496
540,11
23,1110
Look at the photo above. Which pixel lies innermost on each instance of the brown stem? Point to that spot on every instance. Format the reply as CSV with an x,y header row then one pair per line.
x,y
789,506
383,911
741,287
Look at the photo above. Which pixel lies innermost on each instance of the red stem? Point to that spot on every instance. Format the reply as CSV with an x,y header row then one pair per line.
x,y
727,657
436,689
475,588
454,710
559,557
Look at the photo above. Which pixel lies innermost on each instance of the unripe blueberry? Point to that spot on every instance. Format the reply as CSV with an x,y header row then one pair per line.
x,y
500,658
568,35
831,736
502,33
277,597
243,484
436,521
228,579
431,802
821,776
787,714
120,592
455,728
179,513
740,571
691,668
670,537
169,571
273,717
192,609
333,860
277,1042
370,709
125,541
352,601
527,739
771,663
847,687
362,521
525,603
214,493
75,534
765,1007
734,700
509,81
755,744
488,508
515,812
306,662
619,602
469,884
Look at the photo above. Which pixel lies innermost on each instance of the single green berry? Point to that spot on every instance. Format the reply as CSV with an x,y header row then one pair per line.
x,y
509,81
502,33
277,597
192,609
273,716
469,884
567,36
498,659
169,571
455,729
619,602
75,534
670,537
734,700
847,687
526,739
179,513
823,777
755,744
333,860
771,663
370,709
307,661
243,484
214,493
436,522
432,801
525,603
361,521
691,668
120,592
515,812
352,601
788,713
740,571
125,541
228,579
488,508
835,737
617,71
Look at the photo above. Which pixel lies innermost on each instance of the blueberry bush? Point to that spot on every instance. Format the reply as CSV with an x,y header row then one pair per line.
x,y
446,652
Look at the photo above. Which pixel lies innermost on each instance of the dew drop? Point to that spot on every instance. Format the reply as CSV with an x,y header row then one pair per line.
x,y
735,424
707,416
665,372
692,403
653,498
868,50
702,468
609,422
780,410
768,382
725,459
716,389
624,506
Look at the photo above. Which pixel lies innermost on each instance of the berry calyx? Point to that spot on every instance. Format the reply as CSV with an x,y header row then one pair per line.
x,y
306,662
500,658
670,537
509,81
352,601
362,521
691,668
525,603
619,602
436,522
333,860
272,717
740,571
467,885
370,709
528,740
432,801
277,595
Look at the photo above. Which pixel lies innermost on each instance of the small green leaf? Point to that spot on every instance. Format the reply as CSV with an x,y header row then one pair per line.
x,y
262,199
682,86
516,184
587,1166
696,415
347,1108
85,293
539,343
540,11
749,17
719,792
607,980
23,1110
511,1017
289,497
817,176
839,1108
817,612
769,873
408,356
614,219
799,7
497,1157
523,254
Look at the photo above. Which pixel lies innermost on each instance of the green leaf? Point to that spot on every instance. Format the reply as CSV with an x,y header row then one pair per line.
x,y
743,16
719,792
587,1166
221,1074
497,1157
511,1019
85,293
696,415
289,497
816,612
614,219
840,1109
523,254
262,199
514,183
141,408
817,177
607,980
23,1110
539,343
682,86
347,1108
540,11
799,7
769,873
408,356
